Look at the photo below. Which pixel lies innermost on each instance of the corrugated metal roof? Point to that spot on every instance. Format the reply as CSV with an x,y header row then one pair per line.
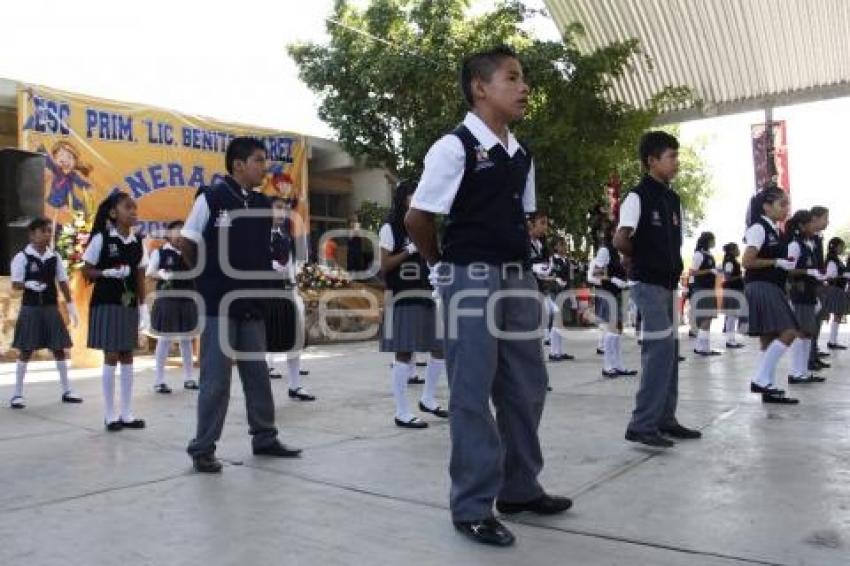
x,y
736,55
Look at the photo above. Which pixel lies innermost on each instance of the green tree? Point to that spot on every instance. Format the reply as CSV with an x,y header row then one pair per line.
x,y
387,80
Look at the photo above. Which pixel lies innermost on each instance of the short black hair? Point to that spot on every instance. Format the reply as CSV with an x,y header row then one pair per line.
x,y
537,214
819,211
241,148
482,65
38,223
655,143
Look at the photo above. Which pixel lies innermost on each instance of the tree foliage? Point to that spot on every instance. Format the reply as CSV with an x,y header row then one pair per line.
x,y
388,84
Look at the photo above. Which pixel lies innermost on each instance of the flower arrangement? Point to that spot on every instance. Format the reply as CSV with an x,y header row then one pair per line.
x,y
71,241
314,277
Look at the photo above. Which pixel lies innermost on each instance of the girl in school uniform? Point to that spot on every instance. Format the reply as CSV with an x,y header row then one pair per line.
x,y
608,276
770,316
703,299
36,270
541,267
173,318
804,283
733,291
413,327
285,329
115,260
835,300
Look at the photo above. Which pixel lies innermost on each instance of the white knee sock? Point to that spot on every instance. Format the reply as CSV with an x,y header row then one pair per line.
x,y
160,354
127,392
400,373
767,368
703,340
62,369
20,372
618,351
432,378
833,330
293,367
601,344
556,344
108,378
799,358
610,357
729,329
186,354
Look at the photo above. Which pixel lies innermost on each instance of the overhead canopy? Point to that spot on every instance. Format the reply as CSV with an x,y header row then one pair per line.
x,y
737,55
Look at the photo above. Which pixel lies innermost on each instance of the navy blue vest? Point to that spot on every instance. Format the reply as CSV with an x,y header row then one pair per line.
x,y
172,261
804,287
614,269
282,243
657,239
113,254
838,281
411,274
248,248
734,281
486,222
774,247
43,272
706,280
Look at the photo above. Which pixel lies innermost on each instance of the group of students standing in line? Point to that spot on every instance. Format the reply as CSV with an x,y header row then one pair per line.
x,y
482,179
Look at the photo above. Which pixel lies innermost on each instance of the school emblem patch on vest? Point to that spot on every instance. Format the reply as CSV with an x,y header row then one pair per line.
x,y
675,219
482,158
656,218
113,250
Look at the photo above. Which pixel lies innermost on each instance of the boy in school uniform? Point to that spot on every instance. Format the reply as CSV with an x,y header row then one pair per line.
x,y
650,238
482,178
247,250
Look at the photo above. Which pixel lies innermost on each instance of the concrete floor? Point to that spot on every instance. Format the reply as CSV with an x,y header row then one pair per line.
x,y
767,484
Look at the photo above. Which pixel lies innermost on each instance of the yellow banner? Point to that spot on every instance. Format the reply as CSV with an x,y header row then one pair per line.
x,y
94,146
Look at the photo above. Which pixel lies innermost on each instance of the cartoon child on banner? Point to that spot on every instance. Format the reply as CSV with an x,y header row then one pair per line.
x,y
65,174
279,183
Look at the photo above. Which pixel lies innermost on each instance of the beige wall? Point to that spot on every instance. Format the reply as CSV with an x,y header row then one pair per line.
x,y
8,127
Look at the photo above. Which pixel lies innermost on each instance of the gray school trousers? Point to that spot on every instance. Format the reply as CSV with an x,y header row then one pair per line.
x,y
493,457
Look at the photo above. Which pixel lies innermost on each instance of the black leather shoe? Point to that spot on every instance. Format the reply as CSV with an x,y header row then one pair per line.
x,y
412,423
543,505
301,394
600,351
818,365
733,345
278,450
71,397
421,364
822,354
135,423
792,380
436,411
114,426
706,354
303,372
649,439
162,388
191,385
681,432
778,399
610,374
486,531
626,372
415,380
206,464
833,346
756,388
274,374
681,359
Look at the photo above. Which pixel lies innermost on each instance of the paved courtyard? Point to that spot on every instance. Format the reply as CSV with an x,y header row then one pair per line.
x,y
766,485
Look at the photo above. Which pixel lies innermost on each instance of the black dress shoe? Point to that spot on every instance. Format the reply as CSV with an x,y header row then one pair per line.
x,y
543,505
486,531
412,423
756,388
278,450
421,364
274,374
778,399
833,346
650,439
706,354
206,464
681,359
71,397
679,431
822,354
135,423
162,388
600,351
802,380
436,411
114,426
303,372
733,345
626,372
415,380
190,384
301,394
610,374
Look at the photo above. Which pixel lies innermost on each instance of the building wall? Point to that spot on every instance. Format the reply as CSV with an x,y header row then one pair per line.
x,y
8,127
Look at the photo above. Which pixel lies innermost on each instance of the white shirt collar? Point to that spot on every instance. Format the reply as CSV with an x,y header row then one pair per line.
x,y
168,246
30,250
125,239
770,222
486,137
